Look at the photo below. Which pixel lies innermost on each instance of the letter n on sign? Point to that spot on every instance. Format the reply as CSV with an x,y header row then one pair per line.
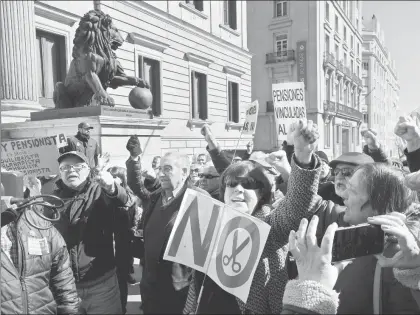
x,y
194,232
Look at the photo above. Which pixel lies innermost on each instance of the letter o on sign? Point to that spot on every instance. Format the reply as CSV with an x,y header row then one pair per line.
x,y
239,279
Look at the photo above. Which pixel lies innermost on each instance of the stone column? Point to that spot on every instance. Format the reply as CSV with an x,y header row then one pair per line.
x,y
18,68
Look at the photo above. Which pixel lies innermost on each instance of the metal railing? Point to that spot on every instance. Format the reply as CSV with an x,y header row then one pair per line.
x,y
329,58
280,56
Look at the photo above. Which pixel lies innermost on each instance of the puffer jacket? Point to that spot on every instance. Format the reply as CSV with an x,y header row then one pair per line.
x,y
42,284
87,225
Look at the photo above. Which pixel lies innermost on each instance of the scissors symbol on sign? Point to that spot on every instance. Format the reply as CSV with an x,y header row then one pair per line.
x,y
236,266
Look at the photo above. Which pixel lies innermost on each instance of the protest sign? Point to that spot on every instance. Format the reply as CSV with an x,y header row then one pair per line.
x,y
218,240
289,105
34,156
61,140
250,123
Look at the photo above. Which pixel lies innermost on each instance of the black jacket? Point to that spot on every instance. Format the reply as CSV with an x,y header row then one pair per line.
x,y
42,284
87,225
90,148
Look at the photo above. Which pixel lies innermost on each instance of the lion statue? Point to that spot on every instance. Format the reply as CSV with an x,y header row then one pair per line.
x,y
94,67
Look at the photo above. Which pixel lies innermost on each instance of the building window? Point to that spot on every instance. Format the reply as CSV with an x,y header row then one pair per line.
x,y
281,45
280,8
327,135
336,24
353,134
337,128
51,62
345,33
358,50
199,95
352,66
358,71
358,133
345,59
149,69
337,53
327,44
365,66
233,94
352,42
327,11
230,16
197,4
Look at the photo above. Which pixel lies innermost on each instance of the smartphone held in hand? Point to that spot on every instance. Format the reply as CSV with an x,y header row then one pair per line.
x,y
357,241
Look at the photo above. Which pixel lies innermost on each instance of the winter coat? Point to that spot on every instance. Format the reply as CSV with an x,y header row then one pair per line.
x,y
270,278
89,147
413,160
42,284
87,225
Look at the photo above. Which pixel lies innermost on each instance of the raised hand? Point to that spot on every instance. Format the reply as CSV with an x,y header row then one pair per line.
x,y
250,147
313,262
103,161
106,181
279,161
408,130
305,136
408,257
208,136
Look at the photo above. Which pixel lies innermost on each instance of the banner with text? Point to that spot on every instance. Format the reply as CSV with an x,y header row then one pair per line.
x,y
210,236
289,105
34,156
251,118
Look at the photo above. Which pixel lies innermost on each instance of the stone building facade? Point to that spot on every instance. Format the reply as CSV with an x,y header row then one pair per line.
x,y
319,42
194,54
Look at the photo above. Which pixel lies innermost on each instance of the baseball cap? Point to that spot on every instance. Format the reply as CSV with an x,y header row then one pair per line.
x,y
352,158
80,155
259,157
84,125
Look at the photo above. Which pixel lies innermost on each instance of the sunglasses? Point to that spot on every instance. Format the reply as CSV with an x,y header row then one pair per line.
x,y
245,182
208,176
346,172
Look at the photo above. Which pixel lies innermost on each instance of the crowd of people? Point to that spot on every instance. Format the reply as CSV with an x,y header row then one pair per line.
x,y
83,264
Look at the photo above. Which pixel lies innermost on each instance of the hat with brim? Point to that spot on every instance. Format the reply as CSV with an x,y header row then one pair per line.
x,y
80,155
352,158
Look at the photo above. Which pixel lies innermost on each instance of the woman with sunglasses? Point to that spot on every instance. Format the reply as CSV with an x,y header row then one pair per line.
x,y
246,187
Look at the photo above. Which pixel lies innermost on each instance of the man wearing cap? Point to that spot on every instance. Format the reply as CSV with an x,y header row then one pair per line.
x,y
87,226
82,142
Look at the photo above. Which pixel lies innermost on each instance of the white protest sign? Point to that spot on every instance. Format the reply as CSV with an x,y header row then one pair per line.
x,y
208,235
61,140
34,156
250,123
289,105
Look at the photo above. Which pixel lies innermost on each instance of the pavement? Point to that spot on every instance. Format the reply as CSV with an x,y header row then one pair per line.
x,y
134,298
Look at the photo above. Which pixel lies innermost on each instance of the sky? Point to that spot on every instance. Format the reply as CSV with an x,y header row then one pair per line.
x,y
400,22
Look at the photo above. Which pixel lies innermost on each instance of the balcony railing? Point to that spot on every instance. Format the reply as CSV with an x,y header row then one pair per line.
x,y
334,108
347,72
329,59
348,111
280,56
340,66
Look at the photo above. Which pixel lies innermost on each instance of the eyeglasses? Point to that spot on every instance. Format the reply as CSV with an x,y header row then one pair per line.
x,y
245,182
208,176
346,172
76,167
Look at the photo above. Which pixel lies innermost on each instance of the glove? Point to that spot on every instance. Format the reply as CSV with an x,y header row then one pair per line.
x,y
134,146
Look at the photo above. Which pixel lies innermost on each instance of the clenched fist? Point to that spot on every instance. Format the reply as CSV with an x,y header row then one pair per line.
x,y
305,136
409,131
279,161
106,181
371,138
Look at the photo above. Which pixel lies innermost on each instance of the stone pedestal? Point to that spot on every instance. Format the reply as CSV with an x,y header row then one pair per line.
x,y
112,129
18,70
